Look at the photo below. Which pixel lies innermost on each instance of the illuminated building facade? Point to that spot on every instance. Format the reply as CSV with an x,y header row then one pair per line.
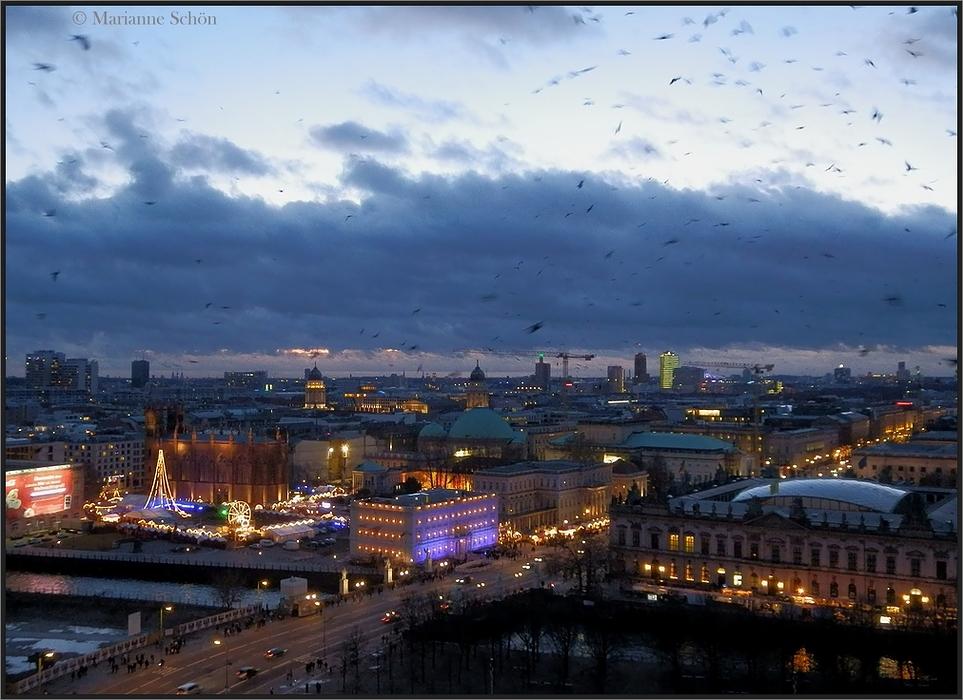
x,y
44,497
668,361
216,467
842,542
555,493
437,523
476,391
315,396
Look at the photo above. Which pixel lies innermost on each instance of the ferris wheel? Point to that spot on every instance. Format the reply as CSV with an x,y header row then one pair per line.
x,y
239,514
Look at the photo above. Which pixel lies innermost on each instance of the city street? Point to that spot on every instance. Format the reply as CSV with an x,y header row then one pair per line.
x,y
305,639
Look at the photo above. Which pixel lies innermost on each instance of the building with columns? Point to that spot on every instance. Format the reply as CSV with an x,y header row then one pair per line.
x,y
842,542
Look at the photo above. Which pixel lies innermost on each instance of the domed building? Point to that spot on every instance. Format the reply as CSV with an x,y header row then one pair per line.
x,y
315,394
476,391
478,437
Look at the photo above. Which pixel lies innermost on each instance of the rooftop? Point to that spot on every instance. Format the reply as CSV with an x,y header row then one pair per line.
x,y
481,423
858,492
677,441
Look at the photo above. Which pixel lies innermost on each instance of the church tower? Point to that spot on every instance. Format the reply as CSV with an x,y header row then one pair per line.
x,y
315,395
476,392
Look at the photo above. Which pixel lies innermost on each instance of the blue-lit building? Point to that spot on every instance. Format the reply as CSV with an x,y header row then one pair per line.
x,y
436,523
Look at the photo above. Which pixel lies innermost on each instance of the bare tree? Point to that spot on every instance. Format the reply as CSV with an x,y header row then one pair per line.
x,y
584,558
604,638
228,585
562,633
352,649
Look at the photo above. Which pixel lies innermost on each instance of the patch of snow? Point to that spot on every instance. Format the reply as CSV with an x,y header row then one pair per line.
x,y
80,629
18,664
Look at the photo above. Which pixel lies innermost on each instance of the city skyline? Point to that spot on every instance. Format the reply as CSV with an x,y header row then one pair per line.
x,y
297,185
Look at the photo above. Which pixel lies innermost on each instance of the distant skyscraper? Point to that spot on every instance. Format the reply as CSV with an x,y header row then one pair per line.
x,y
843,375
902,374
668,361
139,373
641,372
43,368
46,369
543,374
616,375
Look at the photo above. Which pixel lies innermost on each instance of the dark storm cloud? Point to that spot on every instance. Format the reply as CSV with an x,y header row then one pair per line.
x,y
218,155
483,258
432,111
352,136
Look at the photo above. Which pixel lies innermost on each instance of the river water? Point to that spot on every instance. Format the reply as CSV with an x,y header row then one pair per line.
x,y
31,633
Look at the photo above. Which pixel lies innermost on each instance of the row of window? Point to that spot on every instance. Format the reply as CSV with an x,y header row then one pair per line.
x,y
776,553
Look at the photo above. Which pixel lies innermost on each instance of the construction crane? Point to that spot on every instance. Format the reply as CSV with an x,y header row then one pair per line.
x,y
757,372
565,356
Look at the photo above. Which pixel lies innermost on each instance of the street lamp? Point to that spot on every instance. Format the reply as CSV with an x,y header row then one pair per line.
x,y
264,583
168,608
40,660
220,643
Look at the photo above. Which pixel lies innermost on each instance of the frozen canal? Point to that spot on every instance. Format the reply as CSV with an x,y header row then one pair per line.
x,y
74,637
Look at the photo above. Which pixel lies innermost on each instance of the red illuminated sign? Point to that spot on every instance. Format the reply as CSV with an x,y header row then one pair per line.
x,y
904,403
32,493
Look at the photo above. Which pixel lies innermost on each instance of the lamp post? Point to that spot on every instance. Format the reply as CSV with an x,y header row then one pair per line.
x,y
40,659
221,643
168,608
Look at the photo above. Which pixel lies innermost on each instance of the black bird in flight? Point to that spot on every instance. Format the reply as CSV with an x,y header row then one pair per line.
x,y
590,208
41,316
609,254
580,183
151,203
909,167
45,67
534,327
663,37
53,275
50,212
208,304
671,241
416,311
84,41
193,362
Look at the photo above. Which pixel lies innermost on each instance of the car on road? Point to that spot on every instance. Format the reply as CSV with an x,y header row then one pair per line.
x,y
526,566
480,585
391,616
463,579
188,689
274,652
246,672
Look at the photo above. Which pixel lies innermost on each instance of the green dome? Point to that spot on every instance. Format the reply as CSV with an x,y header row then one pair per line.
x,y
432,430
481,423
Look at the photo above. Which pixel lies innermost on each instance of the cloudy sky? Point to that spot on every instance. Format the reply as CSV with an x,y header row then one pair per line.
x,y
380,189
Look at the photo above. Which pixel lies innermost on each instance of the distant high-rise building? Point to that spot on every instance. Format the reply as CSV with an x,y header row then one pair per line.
x,y
641,372
315,393
543,374
249,380
616,377
668,361
902,374
139,373
49,370
43,368
688,379
843,375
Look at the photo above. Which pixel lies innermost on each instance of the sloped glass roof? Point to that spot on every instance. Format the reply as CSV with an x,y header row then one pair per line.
x,y
858,492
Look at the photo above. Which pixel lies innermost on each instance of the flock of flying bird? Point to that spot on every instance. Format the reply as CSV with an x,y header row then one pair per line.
x,y
587,15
